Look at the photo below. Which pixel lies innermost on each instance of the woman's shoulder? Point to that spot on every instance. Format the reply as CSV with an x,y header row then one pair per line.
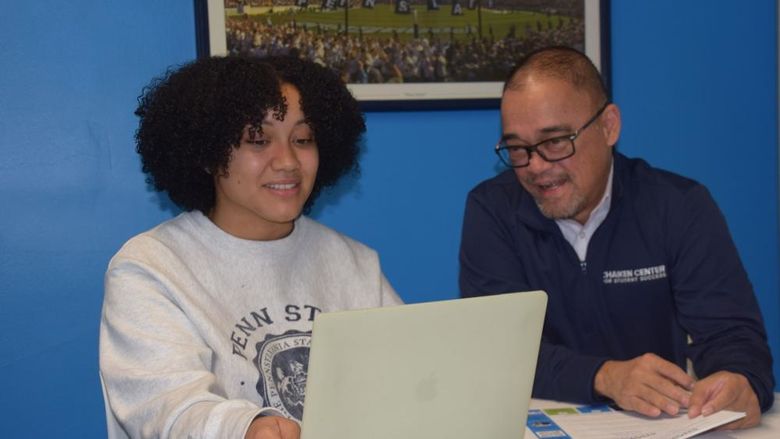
x,y
165,237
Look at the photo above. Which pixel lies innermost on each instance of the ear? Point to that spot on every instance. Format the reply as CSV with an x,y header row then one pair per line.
x,y
610,125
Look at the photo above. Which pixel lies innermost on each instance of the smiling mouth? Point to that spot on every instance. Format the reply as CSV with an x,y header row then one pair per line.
x,y
281,186
550,186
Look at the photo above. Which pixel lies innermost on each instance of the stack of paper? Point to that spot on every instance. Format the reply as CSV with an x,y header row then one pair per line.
x,y
600,422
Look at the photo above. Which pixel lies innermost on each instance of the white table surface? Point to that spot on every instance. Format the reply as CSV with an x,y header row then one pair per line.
x,y
769,428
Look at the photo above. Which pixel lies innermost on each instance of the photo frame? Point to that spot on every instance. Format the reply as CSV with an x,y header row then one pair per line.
x,y
476,45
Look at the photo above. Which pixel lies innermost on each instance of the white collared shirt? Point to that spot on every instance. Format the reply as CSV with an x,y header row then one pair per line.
x,y
578,235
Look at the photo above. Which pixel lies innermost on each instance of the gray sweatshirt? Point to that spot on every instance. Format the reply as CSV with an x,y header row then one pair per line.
x,y
202,331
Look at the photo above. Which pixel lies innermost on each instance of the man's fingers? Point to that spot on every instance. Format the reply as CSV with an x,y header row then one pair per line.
x,y
647,384
671,384
708,397
674,373
719,399
674,396
639,405
726,390
651,385
660,400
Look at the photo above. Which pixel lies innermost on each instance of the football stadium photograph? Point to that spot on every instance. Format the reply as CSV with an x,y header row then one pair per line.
x,y
404,41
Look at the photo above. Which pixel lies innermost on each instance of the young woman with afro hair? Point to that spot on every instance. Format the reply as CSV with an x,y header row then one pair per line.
x,y
207,317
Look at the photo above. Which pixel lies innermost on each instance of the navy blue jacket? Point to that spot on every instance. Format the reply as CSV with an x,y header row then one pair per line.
x,y
660,267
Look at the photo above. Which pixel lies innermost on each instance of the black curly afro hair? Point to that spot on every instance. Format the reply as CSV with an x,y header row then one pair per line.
x,y
192,118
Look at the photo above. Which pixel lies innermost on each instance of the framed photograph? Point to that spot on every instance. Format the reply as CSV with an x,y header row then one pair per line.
x,y
407,54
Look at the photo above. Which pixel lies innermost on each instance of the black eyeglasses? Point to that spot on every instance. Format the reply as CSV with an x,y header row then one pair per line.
x,y
551,150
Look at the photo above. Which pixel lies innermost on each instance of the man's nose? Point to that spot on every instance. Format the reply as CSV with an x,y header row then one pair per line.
x,y
536,164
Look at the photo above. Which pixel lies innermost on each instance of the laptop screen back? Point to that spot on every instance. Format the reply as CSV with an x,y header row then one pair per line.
x,y
453,369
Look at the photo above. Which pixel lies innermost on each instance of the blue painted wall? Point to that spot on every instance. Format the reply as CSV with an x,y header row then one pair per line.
x,y
697,82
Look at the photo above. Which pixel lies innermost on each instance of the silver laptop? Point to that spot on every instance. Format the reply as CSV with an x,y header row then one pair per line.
x,y
456,369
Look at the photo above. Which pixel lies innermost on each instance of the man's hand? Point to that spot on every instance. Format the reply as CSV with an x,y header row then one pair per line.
x,y
273,427
729,391
647,384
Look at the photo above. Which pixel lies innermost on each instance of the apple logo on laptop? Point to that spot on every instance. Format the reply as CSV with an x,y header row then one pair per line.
x,y
427,388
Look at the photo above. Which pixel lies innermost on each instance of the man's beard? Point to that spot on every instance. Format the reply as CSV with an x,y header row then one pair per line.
x,y
556,208
566,210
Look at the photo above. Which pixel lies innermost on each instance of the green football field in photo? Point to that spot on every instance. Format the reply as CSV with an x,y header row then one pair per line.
x,y
382,21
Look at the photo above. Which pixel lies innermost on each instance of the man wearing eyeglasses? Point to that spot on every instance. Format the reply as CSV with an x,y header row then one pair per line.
x,y
638,263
